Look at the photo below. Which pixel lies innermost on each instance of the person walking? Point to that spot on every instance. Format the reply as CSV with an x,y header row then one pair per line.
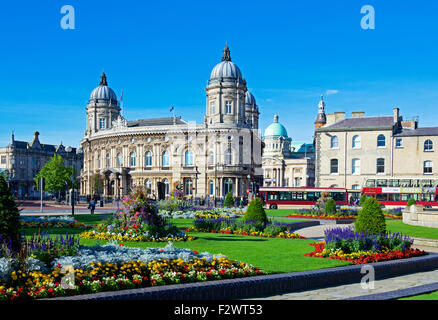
x,y
92,205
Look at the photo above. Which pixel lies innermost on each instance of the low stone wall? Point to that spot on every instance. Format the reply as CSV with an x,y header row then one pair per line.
x,y
417,216
260,286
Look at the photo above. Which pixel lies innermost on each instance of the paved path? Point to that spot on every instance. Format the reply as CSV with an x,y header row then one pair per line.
x,y
356,290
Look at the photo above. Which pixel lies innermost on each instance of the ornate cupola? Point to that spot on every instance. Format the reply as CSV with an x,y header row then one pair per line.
x,y
226,90
321,117
102,107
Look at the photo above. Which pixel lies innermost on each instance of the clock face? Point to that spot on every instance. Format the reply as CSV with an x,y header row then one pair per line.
x,y
148,139
166,139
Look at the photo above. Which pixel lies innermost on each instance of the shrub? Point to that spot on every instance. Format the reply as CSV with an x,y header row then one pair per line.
x,y
362,200
9,217
370,219
229,200
411,201
256,211
330,206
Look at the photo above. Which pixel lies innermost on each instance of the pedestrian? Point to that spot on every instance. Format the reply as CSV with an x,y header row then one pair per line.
x,y
92,205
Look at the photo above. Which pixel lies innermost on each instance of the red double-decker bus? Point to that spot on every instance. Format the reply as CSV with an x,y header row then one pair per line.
x,y
397,192
292,197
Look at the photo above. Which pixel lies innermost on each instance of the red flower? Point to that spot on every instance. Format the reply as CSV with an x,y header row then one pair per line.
x,y
195,252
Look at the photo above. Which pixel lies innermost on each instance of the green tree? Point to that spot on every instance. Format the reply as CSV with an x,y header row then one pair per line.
x,y
362,200
256,211
330,206
370,218
229,200
411,201
9,216
56,175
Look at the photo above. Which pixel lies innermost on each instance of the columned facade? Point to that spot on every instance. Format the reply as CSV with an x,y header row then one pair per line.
x,y
207,160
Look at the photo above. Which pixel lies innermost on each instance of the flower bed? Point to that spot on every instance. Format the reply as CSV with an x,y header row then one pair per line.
x,y
362,257
341,214
114,267
51,222
138,220
242,227
347,245
204,213
133,235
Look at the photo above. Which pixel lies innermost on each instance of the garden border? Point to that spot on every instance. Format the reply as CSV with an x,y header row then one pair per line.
x,y
402,293
259,286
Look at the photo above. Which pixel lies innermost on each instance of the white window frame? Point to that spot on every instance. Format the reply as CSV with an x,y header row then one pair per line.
x,y
355,166
356,142
430,166
334,142
228,107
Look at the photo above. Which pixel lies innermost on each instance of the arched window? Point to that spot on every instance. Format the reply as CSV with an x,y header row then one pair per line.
x,y
212,111
428,145
211,158
99,164
165,159
355,166
334,142
381,141
189,158
380,165
119,160
334,166
132,159
229,157
356,142
108,160
228,186
427,167
148,159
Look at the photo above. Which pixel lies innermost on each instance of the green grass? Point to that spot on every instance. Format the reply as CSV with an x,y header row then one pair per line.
x,y
413,231
427,296
278,212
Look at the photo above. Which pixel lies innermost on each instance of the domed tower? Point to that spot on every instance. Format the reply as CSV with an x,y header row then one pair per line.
x,y
226,94
251,111
102,107
276,140
321,119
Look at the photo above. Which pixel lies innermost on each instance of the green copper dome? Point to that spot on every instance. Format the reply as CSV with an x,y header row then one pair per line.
x,y
275,129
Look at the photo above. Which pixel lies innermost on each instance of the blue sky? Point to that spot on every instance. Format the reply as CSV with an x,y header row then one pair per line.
x,y
161,53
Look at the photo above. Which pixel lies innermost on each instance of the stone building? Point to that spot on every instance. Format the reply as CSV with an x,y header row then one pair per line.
x,y
208,160
381,149
21,161
286,163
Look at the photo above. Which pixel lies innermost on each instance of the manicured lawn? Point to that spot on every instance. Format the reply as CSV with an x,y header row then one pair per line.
x,y
427,296
278,212
413,231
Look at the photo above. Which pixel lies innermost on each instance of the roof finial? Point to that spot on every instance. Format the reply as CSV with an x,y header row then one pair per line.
x,y
276,118
226,53
103,80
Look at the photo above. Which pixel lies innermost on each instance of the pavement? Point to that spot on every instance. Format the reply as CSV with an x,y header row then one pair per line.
x,y
50,208
356,290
